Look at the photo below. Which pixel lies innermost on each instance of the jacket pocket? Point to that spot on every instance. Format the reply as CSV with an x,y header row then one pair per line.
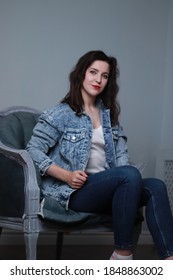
x,y
115,134
72,144
73,135
118,132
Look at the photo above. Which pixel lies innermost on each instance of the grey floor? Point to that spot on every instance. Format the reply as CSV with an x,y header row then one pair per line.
x,y
71,252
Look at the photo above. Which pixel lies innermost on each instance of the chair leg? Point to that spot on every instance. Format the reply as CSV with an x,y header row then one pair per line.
x,y
59,243
0,230
31,245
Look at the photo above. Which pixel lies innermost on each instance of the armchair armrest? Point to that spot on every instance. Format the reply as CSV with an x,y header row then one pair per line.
x,y
16,166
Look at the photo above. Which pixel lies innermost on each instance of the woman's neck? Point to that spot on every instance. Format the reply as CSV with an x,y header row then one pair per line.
x,y
89,101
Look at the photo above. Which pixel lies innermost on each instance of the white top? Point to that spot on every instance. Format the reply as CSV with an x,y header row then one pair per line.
x,y
97,159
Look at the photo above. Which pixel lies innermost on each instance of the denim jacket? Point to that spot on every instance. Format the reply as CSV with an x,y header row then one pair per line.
x,y
64,138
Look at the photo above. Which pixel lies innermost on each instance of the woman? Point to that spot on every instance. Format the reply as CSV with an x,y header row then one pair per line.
x,y
81,152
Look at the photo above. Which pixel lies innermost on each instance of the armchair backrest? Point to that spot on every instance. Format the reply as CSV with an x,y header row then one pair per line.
x,y
16,128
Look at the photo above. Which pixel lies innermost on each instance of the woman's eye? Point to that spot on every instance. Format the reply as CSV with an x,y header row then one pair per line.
x,y
92,71
105,76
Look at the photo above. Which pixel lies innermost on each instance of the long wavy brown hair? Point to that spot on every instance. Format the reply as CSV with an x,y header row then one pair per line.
x,y
108,95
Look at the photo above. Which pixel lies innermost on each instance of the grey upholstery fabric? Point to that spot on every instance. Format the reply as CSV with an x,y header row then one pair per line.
x,y
16,129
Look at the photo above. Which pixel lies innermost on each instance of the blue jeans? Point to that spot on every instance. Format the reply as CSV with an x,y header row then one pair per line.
x,y
121,191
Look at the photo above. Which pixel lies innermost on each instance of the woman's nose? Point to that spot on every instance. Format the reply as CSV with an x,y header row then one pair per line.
x,y
98,79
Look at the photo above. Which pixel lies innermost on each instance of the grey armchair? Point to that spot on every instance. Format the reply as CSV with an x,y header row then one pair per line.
x,y
20,200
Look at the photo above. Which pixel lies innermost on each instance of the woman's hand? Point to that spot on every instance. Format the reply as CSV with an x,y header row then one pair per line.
x,y
76,179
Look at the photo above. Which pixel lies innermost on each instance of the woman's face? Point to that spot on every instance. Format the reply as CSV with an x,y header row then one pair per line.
x,y
96,78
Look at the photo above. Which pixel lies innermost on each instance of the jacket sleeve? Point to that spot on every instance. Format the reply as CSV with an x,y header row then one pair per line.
x,y
122,157
45,136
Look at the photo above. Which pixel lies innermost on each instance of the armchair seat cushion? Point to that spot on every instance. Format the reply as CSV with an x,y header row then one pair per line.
x,y
51,210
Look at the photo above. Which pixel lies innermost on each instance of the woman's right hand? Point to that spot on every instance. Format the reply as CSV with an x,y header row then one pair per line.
x,y
76,179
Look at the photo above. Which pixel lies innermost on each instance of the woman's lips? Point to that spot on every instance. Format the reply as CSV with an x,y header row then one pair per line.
x,y
96,87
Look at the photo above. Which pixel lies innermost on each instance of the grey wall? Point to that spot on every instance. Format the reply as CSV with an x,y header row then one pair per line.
x,y
41,40
167,121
